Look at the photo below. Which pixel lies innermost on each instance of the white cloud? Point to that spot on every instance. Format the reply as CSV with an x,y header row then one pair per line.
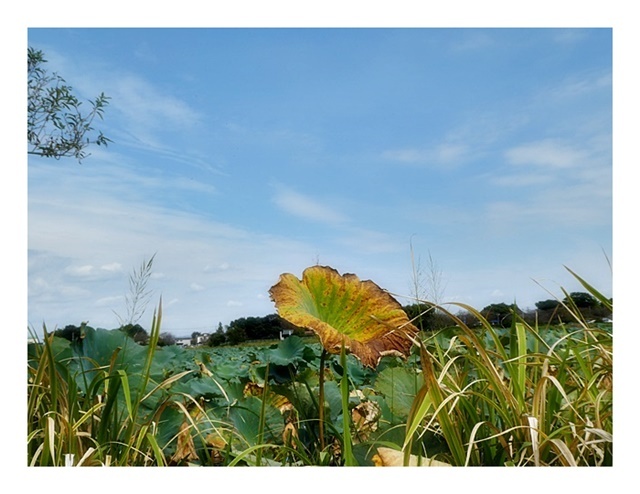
x,y
110,301
582,86
81,271
438,156
522,180
546,153
140,113
106,225
569,36
114,266
306,207
573,207
145,106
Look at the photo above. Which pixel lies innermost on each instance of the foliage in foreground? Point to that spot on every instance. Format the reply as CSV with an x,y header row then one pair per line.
x,y
524,395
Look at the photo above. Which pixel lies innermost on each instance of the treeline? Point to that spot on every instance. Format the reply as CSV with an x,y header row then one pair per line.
x,y
546,312
252,328
238,331
423,316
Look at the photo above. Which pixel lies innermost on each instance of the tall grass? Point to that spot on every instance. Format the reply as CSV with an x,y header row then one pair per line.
x,y
90,416
526,403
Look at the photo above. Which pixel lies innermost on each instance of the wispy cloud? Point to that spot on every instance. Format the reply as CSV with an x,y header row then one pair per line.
x,y
146,107
569,36
579,86
440,156
141,114
306,207
522,180
467,140
81,251
89,271
550,153
143,103
545,212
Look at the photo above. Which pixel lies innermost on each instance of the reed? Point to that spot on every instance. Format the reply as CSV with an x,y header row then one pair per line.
x,y
526,403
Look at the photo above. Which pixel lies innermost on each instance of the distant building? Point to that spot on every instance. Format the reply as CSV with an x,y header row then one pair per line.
x,y
183,341
201,339
285,333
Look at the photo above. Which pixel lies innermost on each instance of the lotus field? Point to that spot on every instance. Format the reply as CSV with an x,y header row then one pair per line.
x,y
369,388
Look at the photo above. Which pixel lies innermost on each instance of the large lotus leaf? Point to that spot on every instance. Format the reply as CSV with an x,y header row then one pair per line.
x,y
289,351
231,371
358,374
369,321
245,415
99,345
399,387
198,387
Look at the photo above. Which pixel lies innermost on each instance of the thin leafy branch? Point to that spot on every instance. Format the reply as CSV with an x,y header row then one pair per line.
x,y
56,125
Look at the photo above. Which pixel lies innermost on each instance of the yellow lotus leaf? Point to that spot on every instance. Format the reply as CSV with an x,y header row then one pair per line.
x,y
342,308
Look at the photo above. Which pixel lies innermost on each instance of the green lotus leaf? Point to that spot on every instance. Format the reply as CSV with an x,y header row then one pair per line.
x,y
289,351
342,308
399,387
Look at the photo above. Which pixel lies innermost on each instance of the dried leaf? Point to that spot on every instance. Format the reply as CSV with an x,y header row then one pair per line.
x,y
365,417
185,449
388,457
218,444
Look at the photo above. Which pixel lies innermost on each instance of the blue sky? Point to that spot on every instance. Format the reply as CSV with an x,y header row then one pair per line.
x,y
239,154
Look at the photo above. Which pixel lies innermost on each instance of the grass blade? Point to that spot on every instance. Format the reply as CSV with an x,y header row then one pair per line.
x,y
346,423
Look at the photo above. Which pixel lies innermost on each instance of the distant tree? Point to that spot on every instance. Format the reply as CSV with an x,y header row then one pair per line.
x,y
166,339
56,127
218,338
70,332
582,300
500,314
255,328
468,318
589,307
421,315
137,332
547,304
236,335
548,311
